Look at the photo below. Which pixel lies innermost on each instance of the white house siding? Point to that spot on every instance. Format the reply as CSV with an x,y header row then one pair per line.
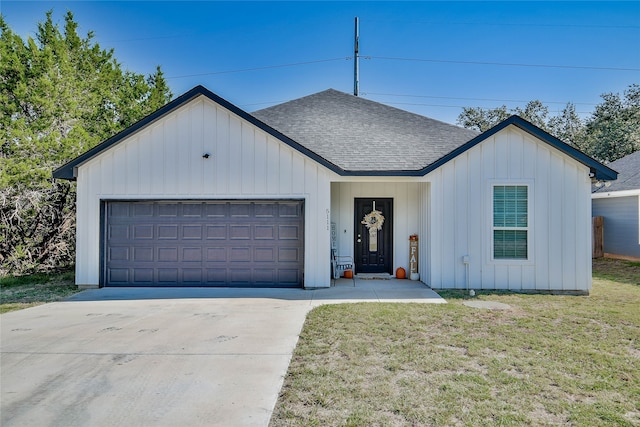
x,y
621,213
407,197
560,217
164,162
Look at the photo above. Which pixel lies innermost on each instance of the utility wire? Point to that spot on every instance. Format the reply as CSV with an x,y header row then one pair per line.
x,y
472,99
504,64
504,24
348,58
266,67
454,106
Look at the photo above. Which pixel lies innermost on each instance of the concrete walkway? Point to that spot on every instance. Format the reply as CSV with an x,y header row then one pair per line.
x,y
164,356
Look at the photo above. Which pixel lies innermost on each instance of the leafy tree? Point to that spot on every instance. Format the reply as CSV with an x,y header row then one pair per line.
x,y
568,127
482,119
60,95
613,131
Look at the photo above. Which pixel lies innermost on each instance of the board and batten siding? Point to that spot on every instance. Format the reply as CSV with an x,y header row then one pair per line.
x,y
164,161
460,222
621,222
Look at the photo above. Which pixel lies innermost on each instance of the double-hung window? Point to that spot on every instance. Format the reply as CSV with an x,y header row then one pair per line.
x,y
510,222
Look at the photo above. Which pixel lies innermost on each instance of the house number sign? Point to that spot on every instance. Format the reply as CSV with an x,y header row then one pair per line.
x,y
373,221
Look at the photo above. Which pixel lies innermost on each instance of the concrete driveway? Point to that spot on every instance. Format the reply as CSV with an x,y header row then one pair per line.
x,y
161,357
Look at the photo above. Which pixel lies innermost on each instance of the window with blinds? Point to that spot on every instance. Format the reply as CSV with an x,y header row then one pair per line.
x,y
510,222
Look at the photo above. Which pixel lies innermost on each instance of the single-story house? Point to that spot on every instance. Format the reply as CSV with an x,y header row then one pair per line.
x,y
619,205
202,193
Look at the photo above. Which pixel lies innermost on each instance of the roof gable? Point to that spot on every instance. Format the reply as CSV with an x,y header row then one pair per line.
x,y
68,170
598,170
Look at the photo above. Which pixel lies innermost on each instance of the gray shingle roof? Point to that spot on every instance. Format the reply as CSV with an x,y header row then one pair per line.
x,y
628,168
358,134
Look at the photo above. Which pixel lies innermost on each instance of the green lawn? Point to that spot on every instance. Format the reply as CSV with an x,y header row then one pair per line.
x,y
550,360
26,291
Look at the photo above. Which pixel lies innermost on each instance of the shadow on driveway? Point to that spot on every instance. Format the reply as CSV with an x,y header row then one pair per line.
x,y
364,290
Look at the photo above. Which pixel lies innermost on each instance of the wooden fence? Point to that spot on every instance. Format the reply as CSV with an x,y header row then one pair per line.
x,y
597,237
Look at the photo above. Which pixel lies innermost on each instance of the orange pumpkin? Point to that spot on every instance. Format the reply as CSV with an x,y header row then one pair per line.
x,y
401,273
348,274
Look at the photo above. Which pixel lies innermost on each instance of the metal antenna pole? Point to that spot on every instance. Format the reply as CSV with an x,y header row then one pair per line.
x,y
356,62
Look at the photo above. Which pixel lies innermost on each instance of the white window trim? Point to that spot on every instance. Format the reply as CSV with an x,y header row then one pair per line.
x,y
530,221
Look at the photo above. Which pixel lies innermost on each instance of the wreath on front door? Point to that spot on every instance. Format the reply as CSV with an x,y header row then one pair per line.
x,y
373,220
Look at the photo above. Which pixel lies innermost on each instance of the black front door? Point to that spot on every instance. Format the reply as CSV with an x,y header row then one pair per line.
x,y
373,235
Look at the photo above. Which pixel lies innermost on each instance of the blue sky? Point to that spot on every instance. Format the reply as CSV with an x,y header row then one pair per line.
x,y
427,57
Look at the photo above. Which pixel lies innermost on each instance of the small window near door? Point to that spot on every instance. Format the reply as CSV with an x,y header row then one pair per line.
x,y
510,222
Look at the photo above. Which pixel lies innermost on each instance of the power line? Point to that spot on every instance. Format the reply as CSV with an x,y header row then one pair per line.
x,y
454,106
349,58
504,64
472,99
504,24
266,67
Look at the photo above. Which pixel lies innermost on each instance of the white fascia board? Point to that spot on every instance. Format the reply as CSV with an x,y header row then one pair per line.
x,y
625,193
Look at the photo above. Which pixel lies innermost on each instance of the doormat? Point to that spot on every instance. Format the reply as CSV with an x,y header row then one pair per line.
x,y
374,276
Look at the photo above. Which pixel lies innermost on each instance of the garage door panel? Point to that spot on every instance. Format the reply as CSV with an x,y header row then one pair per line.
x,y
216,276
168,232
118,210
240,232
192,232
241,210
228,243
216,254
119,275
167,276
191,210
118,253
290,210
240,254
192,275
265,275
264,232
217,210
168,211
168,254
217,232
143,254
192,254
240,275
266,254
289,232
288,255
143,275
143,210
143,232
265,210
118,232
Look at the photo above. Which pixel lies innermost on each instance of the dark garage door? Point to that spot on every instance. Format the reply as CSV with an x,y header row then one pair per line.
x,y
212,243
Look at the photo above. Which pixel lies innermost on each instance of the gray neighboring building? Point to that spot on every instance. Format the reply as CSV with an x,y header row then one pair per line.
x,y
619,205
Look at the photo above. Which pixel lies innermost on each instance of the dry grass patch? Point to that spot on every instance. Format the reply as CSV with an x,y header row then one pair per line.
x,y
27,291
551,360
